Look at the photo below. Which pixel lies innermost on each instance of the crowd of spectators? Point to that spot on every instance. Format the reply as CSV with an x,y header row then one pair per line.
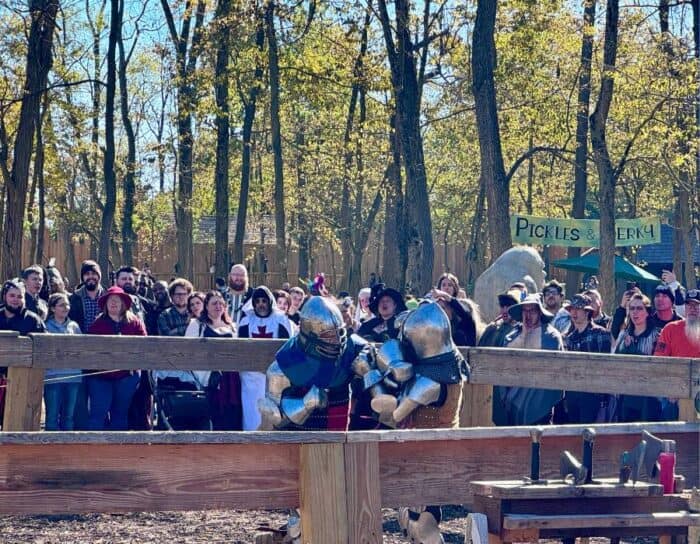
x,y
137,304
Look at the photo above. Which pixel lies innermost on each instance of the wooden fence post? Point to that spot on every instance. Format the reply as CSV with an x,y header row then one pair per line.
x,y
363,493
476,405
686,407
25,385
322,494
25,389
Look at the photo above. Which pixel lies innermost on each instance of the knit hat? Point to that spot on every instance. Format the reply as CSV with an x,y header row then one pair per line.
x,y
88,266
664,289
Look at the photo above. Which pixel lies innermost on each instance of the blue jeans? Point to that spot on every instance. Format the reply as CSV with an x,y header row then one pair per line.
x,y
113,397
59,399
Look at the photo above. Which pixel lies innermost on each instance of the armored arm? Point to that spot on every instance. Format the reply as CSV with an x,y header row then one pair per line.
x,y
279,408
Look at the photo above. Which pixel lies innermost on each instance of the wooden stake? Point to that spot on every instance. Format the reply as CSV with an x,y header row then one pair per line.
x,y
25,390
322,494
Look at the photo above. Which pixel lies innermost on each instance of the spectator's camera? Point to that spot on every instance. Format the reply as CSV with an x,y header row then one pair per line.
x,y
347,302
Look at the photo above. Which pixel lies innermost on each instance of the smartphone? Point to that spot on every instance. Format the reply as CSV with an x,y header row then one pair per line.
x,y
630,285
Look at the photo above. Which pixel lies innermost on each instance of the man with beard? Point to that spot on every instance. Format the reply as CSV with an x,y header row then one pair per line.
x,y
174,320
265,321
553,297
239,292
33,278
126,279
680,339
83,310
83,302
525,405
161,303
14,316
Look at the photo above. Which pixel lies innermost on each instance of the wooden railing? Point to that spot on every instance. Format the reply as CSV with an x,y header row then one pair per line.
x,y
592,372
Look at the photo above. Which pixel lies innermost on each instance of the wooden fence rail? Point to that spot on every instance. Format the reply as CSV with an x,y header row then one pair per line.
x,y
340,481
591,372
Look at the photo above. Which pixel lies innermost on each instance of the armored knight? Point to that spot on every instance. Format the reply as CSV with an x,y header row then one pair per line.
x,y
307,384
428,370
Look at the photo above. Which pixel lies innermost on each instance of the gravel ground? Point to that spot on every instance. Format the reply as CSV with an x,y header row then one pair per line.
x,y
229,526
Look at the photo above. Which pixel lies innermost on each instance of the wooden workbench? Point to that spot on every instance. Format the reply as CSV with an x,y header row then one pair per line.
x,y
521,512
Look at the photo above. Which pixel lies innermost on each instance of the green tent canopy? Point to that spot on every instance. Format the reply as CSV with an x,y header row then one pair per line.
x,y
590,263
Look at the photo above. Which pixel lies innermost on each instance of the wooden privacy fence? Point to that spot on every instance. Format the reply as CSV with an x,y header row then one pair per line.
x,y
340,481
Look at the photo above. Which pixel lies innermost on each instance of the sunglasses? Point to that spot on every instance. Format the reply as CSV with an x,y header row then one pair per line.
x,y
637,308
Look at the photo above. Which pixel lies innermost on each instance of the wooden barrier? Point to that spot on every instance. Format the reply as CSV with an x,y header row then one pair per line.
x,y
590,372
340,480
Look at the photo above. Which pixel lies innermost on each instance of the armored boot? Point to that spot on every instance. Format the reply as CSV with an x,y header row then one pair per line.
x,y
420,527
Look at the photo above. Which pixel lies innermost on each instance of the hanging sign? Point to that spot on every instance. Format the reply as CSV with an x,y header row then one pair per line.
x,y
526,229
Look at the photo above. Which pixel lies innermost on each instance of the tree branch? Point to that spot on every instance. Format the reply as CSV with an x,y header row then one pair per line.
x,y
556,151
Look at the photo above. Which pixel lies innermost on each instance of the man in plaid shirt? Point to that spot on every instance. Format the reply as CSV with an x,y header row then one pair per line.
x,y
585,335
173,321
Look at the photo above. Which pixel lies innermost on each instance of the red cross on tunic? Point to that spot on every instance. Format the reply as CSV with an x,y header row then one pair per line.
x,y
262,332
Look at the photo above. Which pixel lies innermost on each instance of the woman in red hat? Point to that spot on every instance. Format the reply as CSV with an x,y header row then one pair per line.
x,y
111,392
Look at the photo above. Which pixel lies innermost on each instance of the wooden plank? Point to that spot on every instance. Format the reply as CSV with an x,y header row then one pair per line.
x,y
557,489
168,437
322,494
25,390
80,478
15,350
439,471
584,521
363,494
136,352
694,506
476,405
556,507
551,431
520,535
592,372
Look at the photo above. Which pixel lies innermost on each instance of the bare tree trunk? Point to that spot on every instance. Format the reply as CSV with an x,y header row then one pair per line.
x,y
606,173
280,218
682,241
573,277
407,85
90,162
363,225
110,177
302,220
249,109
38,254
346,216
39,60
395,255
221,171
186,60
129,183
492,170
477,250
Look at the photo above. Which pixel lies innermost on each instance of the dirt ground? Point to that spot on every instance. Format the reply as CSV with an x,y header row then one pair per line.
x,y
231,527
